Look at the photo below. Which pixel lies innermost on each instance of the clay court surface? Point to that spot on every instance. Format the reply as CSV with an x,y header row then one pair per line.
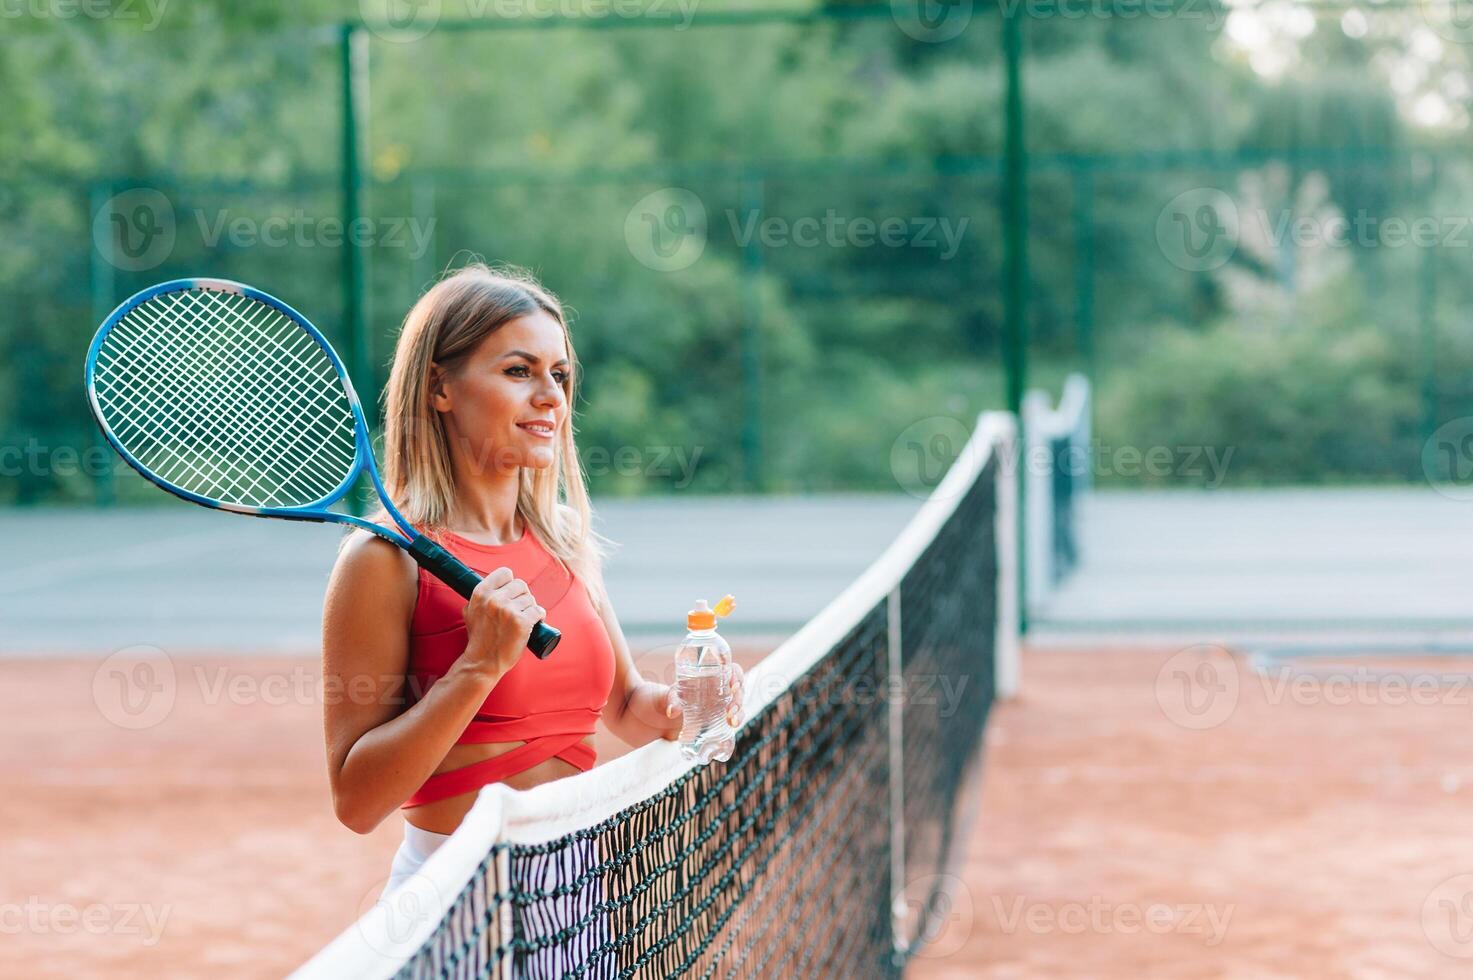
x,y
1144,814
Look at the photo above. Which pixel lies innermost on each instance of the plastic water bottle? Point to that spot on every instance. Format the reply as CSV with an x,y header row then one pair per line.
x,y
703,685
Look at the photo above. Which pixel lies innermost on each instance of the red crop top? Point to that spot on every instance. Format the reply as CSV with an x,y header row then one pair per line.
x,y
551,704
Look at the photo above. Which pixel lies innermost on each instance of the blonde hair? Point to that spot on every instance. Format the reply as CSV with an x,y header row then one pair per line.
x,y
447,324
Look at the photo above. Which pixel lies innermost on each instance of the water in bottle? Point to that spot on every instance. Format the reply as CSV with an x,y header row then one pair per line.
x,y
703,685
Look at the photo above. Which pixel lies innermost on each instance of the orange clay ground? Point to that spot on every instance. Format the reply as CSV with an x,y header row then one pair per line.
x,y
1144,814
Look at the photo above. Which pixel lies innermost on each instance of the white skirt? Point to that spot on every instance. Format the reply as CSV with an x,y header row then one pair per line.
x,y
544,915
414,850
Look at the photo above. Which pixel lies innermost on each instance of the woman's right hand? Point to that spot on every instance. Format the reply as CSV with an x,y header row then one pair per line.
x,y
498,621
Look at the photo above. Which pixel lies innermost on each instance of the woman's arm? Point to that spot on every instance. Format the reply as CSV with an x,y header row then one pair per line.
x,y
378,751
640,711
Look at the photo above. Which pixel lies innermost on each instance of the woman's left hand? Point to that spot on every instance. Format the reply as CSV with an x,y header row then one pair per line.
x,y
734,716
656,705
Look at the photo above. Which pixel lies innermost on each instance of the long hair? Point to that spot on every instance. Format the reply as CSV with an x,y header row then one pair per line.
x,y
447,324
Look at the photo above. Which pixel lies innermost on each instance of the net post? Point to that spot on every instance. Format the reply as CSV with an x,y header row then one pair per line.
x,y
1085,430
896,704
1007,676
1038,498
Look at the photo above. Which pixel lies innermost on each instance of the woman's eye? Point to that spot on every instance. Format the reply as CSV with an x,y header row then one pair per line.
x,y
522,371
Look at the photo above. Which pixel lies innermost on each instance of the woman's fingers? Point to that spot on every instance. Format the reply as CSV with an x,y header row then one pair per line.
x,y
738,692
674,713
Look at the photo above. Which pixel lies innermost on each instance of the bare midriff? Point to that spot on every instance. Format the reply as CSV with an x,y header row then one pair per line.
x,y
443,816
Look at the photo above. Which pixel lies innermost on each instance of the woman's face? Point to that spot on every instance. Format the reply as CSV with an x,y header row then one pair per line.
x,y
504,406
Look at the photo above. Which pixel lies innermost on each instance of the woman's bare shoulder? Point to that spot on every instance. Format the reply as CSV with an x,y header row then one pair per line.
x,y
366,560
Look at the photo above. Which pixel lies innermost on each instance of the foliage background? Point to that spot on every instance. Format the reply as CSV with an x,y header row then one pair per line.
x,y
1313,362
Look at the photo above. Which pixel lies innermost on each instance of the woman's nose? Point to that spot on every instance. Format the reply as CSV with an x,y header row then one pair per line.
x,y
549,394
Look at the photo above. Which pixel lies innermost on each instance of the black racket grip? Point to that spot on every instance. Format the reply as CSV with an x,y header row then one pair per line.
x,y
453,572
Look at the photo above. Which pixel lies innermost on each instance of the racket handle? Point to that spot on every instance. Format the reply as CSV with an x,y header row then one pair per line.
x,y
454,573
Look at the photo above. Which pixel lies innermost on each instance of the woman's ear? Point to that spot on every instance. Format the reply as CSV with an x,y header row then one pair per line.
x,y
439,395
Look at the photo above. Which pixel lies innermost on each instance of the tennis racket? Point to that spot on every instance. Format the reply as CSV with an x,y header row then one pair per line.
x,y
229,398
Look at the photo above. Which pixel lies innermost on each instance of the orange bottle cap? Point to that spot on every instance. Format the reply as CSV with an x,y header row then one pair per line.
x,y
704,618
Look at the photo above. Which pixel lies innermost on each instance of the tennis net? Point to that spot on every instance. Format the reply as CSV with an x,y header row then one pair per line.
x,y
820,849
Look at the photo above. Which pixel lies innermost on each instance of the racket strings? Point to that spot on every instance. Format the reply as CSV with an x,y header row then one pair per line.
x,y
212,472
211,410
295,421
227,398
222,473
300,348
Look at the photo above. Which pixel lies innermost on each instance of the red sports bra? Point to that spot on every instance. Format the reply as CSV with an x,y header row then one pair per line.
x,y
551,704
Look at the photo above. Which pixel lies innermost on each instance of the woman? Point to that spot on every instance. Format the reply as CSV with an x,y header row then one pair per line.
x,y
441,696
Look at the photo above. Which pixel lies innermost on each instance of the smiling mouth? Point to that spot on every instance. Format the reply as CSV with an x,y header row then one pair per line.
x,y
543,430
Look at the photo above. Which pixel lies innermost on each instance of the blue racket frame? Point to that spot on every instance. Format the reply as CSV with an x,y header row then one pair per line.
x,y
427,553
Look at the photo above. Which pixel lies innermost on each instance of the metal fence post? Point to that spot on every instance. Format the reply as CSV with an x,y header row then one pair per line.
x,y
1015,221
103,275
1427,316
353,58
754,190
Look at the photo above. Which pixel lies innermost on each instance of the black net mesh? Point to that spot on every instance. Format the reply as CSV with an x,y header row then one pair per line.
x,y
948,633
